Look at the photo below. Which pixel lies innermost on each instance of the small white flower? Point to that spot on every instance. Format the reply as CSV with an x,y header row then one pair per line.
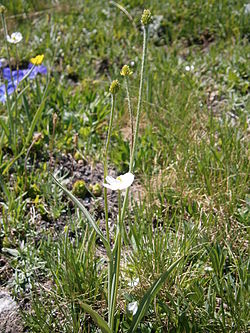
x,y
133,307
208,269
15,38
134,283
120,183
189,68
247,8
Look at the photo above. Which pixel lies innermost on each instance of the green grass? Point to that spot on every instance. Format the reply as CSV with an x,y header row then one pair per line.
x,y
192,164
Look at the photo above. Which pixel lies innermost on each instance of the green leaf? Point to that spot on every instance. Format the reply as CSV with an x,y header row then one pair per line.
x,y
100,322
150,295
4,188
87,215
37,115
115,278
4,127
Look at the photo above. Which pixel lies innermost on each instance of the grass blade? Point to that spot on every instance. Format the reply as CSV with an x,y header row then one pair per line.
x,y
150,295
100,322
87,215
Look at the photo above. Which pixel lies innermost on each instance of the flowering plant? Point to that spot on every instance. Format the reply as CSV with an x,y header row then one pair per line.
x,y
15,38
113,244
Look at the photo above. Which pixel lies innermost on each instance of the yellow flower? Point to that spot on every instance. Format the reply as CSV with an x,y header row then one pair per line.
x,y
126,71
146,17
37,60
114,87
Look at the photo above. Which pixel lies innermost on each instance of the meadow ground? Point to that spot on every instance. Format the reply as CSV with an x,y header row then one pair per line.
x,y
190,198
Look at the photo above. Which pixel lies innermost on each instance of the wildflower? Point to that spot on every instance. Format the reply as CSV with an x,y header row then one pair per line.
x,y
2,9
126,71
134,283
37,60
133,307
146,17
120,183
114,87
15,75
247,9
15,38
11,86
189,68
37,70
2,62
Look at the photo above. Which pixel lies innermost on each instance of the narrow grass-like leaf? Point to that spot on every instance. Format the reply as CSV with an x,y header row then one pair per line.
x,y
150,295
4,127
115,278
37,115
4,188
87,215
100,322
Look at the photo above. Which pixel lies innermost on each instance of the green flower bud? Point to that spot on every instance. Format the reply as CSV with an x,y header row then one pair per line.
x,y
79,189
146,17
96,189
2,9
114,87
126,71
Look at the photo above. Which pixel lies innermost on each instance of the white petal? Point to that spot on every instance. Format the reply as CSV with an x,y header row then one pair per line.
x,y
110,180
133,307
113,187
134,282
9,39
126,180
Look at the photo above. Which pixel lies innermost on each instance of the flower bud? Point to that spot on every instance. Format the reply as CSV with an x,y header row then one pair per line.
x,y
79,189
2,9
126,71
114,87
146,17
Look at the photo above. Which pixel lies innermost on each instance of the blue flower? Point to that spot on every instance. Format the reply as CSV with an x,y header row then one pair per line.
x,y
11,87
37,70
15,77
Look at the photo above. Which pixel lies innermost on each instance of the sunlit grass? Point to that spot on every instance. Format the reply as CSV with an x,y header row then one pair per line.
x,y
190,197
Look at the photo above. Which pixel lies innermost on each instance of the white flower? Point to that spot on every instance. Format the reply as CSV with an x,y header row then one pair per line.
x,y
120,183
189,68
15,38
247,8
133,307
134,283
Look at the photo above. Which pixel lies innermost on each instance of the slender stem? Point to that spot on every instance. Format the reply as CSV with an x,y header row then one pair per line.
x,y
132,157
144,54
110,263
13,123
116,266
130,115
106,163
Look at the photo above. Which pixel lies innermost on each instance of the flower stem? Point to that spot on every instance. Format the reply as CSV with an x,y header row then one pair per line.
x,y
116,268
144,54
138,113
12,123
110,262
130,115
106,163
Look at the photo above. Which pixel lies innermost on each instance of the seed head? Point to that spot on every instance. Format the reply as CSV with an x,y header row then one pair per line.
x,y
126,71
114,87
2,9
146,17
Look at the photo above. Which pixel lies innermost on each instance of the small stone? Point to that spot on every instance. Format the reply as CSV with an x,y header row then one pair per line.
x,y
10,321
